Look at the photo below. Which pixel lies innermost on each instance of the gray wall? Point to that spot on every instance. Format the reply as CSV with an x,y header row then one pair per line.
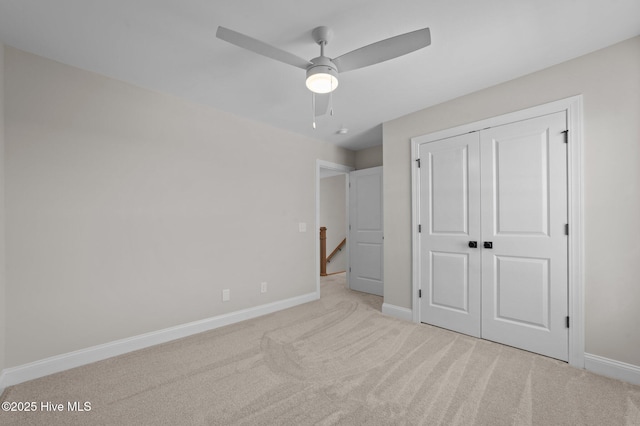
x,y
128,211
369,157
609,79
333,215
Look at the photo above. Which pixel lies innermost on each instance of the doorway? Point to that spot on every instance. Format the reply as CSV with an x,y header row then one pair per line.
x,y
363,228
326,169
333,222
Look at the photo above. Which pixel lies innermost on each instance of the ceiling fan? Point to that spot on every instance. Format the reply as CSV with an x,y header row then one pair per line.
x,y
322,72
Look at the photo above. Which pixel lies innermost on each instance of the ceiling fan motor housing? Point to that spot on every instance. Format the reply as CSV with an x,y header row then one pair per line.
x,y
322,75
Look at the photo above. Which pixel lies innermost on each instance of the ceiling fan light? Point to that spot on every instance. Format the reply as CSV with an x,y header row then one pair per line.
x,y
322,79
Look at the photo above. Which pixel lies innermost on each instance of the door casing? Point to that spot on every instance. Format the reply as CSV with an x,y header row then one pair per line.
x,y
573,108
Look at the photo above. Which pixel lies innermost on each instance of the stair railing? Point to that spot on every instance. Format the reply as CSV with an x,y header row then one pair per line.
x,y
336,250
324,259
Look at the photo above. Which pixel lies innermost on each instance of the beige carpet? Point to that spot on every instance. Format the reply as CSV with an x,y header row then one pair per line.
x,y
334,361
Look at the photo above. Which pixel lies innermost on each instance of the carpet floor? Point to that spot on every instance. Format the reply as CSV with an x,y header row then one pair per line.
x,y
337,360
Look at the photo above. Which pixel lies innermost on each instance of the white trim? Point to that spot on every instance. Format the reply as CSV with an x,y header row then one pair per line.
x,y
55,364
575,195
611,368
321,164
415,241
397,312
573,107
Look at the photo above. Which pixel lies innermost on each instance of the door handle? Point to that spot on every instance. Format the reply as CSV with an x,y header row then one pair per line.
x,y
488,245
473,244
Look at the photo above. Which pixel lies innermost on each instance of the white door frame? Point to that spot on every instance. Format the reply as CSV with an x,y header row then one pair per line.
x,y
342,169
573,107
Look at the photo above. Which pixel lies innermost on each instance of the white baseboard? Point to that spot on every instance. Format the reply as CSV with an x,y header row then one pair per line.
x,y
397,312
612,368
14,375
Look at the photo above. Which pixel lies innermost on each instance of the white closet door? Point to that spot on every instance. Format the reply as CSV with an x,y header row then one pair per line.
x,y
524,212
450,219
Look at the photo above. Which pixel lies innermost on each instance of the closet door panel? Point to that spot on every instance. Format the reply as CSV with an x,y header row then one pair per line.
x,y
450,218
524,212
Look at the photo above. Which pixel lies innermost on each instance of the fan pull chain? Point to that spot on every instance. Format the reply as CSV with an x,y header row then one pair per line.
x,y
313,108
331,100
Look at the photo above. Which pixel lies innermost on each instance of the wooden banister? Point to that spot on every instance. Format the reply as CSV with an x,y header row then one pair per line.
x,y
323,251
336,250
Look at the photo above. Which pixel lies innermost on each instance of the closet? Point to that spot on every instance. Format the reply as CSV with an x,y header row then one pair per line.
x,y
492,233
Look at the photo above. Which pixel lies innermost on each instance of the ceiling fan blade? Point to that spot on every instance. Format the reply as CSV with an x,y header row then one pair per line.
x,y
321,103
383,50
261,48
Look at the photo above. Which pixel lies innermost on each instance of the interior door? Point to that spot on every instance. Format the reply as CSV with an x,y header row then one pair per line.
x,y
524,212
366,231
450,225
502,190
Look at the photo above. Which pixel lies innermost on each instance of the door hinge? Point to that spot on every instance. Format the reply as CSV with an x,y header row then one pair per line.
x,y
567,322
566,229
418,161
419,228
349,268
420,293
349,227
566,136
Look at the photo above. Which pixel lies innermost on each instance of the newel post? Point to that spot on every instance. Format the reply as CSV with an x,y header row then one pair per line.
x,y
323,251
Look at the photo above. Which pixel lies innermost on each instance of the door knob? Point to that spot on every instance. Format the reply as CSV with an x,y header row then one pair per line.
x,y
473,244
488,244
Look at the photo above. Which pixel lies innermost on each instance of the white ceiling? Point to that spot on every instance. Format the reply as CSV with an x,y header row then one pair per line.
x,y
170,46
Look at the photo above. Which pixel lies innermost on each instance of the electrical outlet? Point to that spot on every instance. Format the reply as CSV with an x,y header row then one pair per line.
x,y
226,295
302,227
263,287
